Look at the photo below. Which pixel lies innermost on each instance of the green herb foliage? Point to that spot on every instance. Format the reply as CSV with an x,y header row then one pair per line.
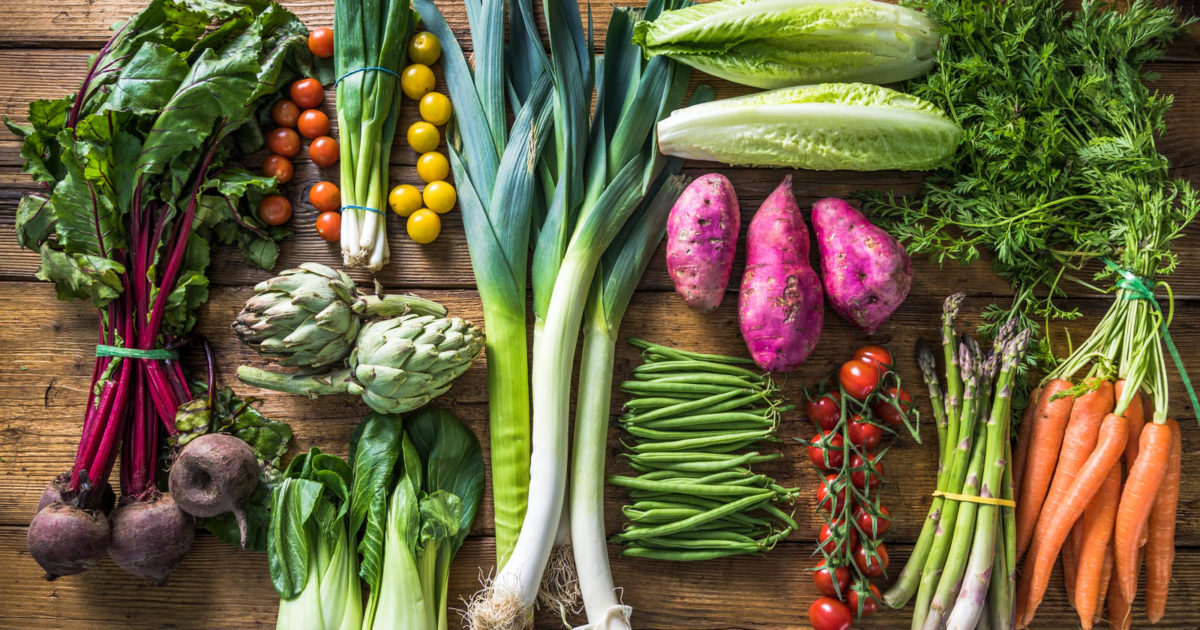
x,y
1058,166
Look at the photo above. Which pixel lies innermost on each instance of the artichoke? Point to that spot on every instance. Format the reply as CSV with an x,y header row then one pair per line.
x,y
309,317
397,365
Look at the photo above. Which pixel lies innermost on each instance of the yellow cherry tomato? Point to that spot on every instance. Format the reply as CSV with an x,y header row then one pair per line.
x,y
439,197
433,166
435,108
405,199
424,226
424,48
423,137
417,81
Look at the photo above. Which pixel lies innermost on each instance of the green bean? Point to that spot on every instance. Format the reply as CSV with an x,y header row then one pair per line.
x,y
709,419
664,351
662,515
739,477
713,543
704,466
713,403
707,378
680,456
728,441
679,526
683,390
666,436
779,514
675,555
690,365
712,490
654,403
708,504
712,535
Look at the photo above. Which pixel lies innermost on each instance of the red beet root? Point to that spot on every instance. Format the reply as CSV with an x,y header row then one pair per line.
x,y
213,475
150,537
59,490
66,540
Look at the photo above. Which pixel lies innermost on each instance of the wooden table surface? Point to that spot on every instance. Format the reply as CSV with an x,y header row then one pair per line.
x,y
46,349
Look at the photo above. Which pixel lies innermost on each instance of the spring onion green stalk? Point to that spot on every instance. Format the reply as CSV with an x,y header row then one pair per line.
x,y
369,52
494,171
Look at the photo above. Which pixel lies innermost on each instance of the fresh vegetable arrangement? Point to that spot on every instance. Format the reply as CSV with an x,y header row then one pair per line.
x,y
696,497
962,570
138,186
780,43
853,417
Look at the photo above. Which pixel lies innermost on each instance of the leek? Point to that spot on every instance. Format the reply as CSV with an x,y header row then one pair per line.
x,y
494,171
369,52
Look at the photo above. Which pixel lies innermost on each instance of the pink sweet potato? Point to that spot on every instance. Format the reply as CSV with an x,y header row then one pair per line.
x,y
780,309
702,234
867,274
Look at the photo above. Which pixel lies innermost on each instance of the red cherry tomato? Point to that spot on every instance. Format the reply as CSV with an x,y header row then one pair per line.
x,y
320,42
307,93
859,476
864,434
323,151
859,378
329,226
873,566
278,167
870,603
832,504
885,407
877,354
325,196
285,113
826,410
826,445
313,123
284,141
829,614
832,531
275,210
833,583
866,521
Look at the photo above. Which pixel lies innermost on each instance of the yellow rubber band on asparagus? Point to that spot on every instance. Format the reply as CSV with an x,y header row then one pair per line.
x,y
974,499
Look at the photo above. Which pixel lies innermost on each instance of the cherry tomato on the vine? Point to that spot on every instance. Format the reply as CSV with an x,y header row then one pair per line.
x,y
313,123
872,525
885,407
870,603
826,444
835,503
320,42
284,141
279,167
826,410
833,531
877,354
872,566
329,226
831,582
859,378
275,210
864,434
325,196
307,93
859,476
323,151
285,113
829,614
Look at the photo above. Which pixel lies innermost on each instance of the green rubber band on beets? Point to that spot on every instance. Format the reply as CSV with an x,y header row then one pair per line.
x,y
361,208
133,353
364,69
1139,288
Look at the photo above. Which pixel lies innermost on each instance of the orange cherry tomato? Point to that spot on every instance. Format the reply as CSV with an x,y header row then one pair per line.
x,y
285,113
307,93
320,42
313,123
284,141
275,210
329,226
323,151
325,196
278,167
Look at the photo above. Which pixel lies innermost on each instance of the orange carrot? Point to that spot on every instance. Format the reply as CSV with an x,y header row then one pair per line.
x,y
1070,562
1105,578
1136,416
1079,440
1054,524
1023,436
1160,548
1120,610
1137,499
1097,532
1041,454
